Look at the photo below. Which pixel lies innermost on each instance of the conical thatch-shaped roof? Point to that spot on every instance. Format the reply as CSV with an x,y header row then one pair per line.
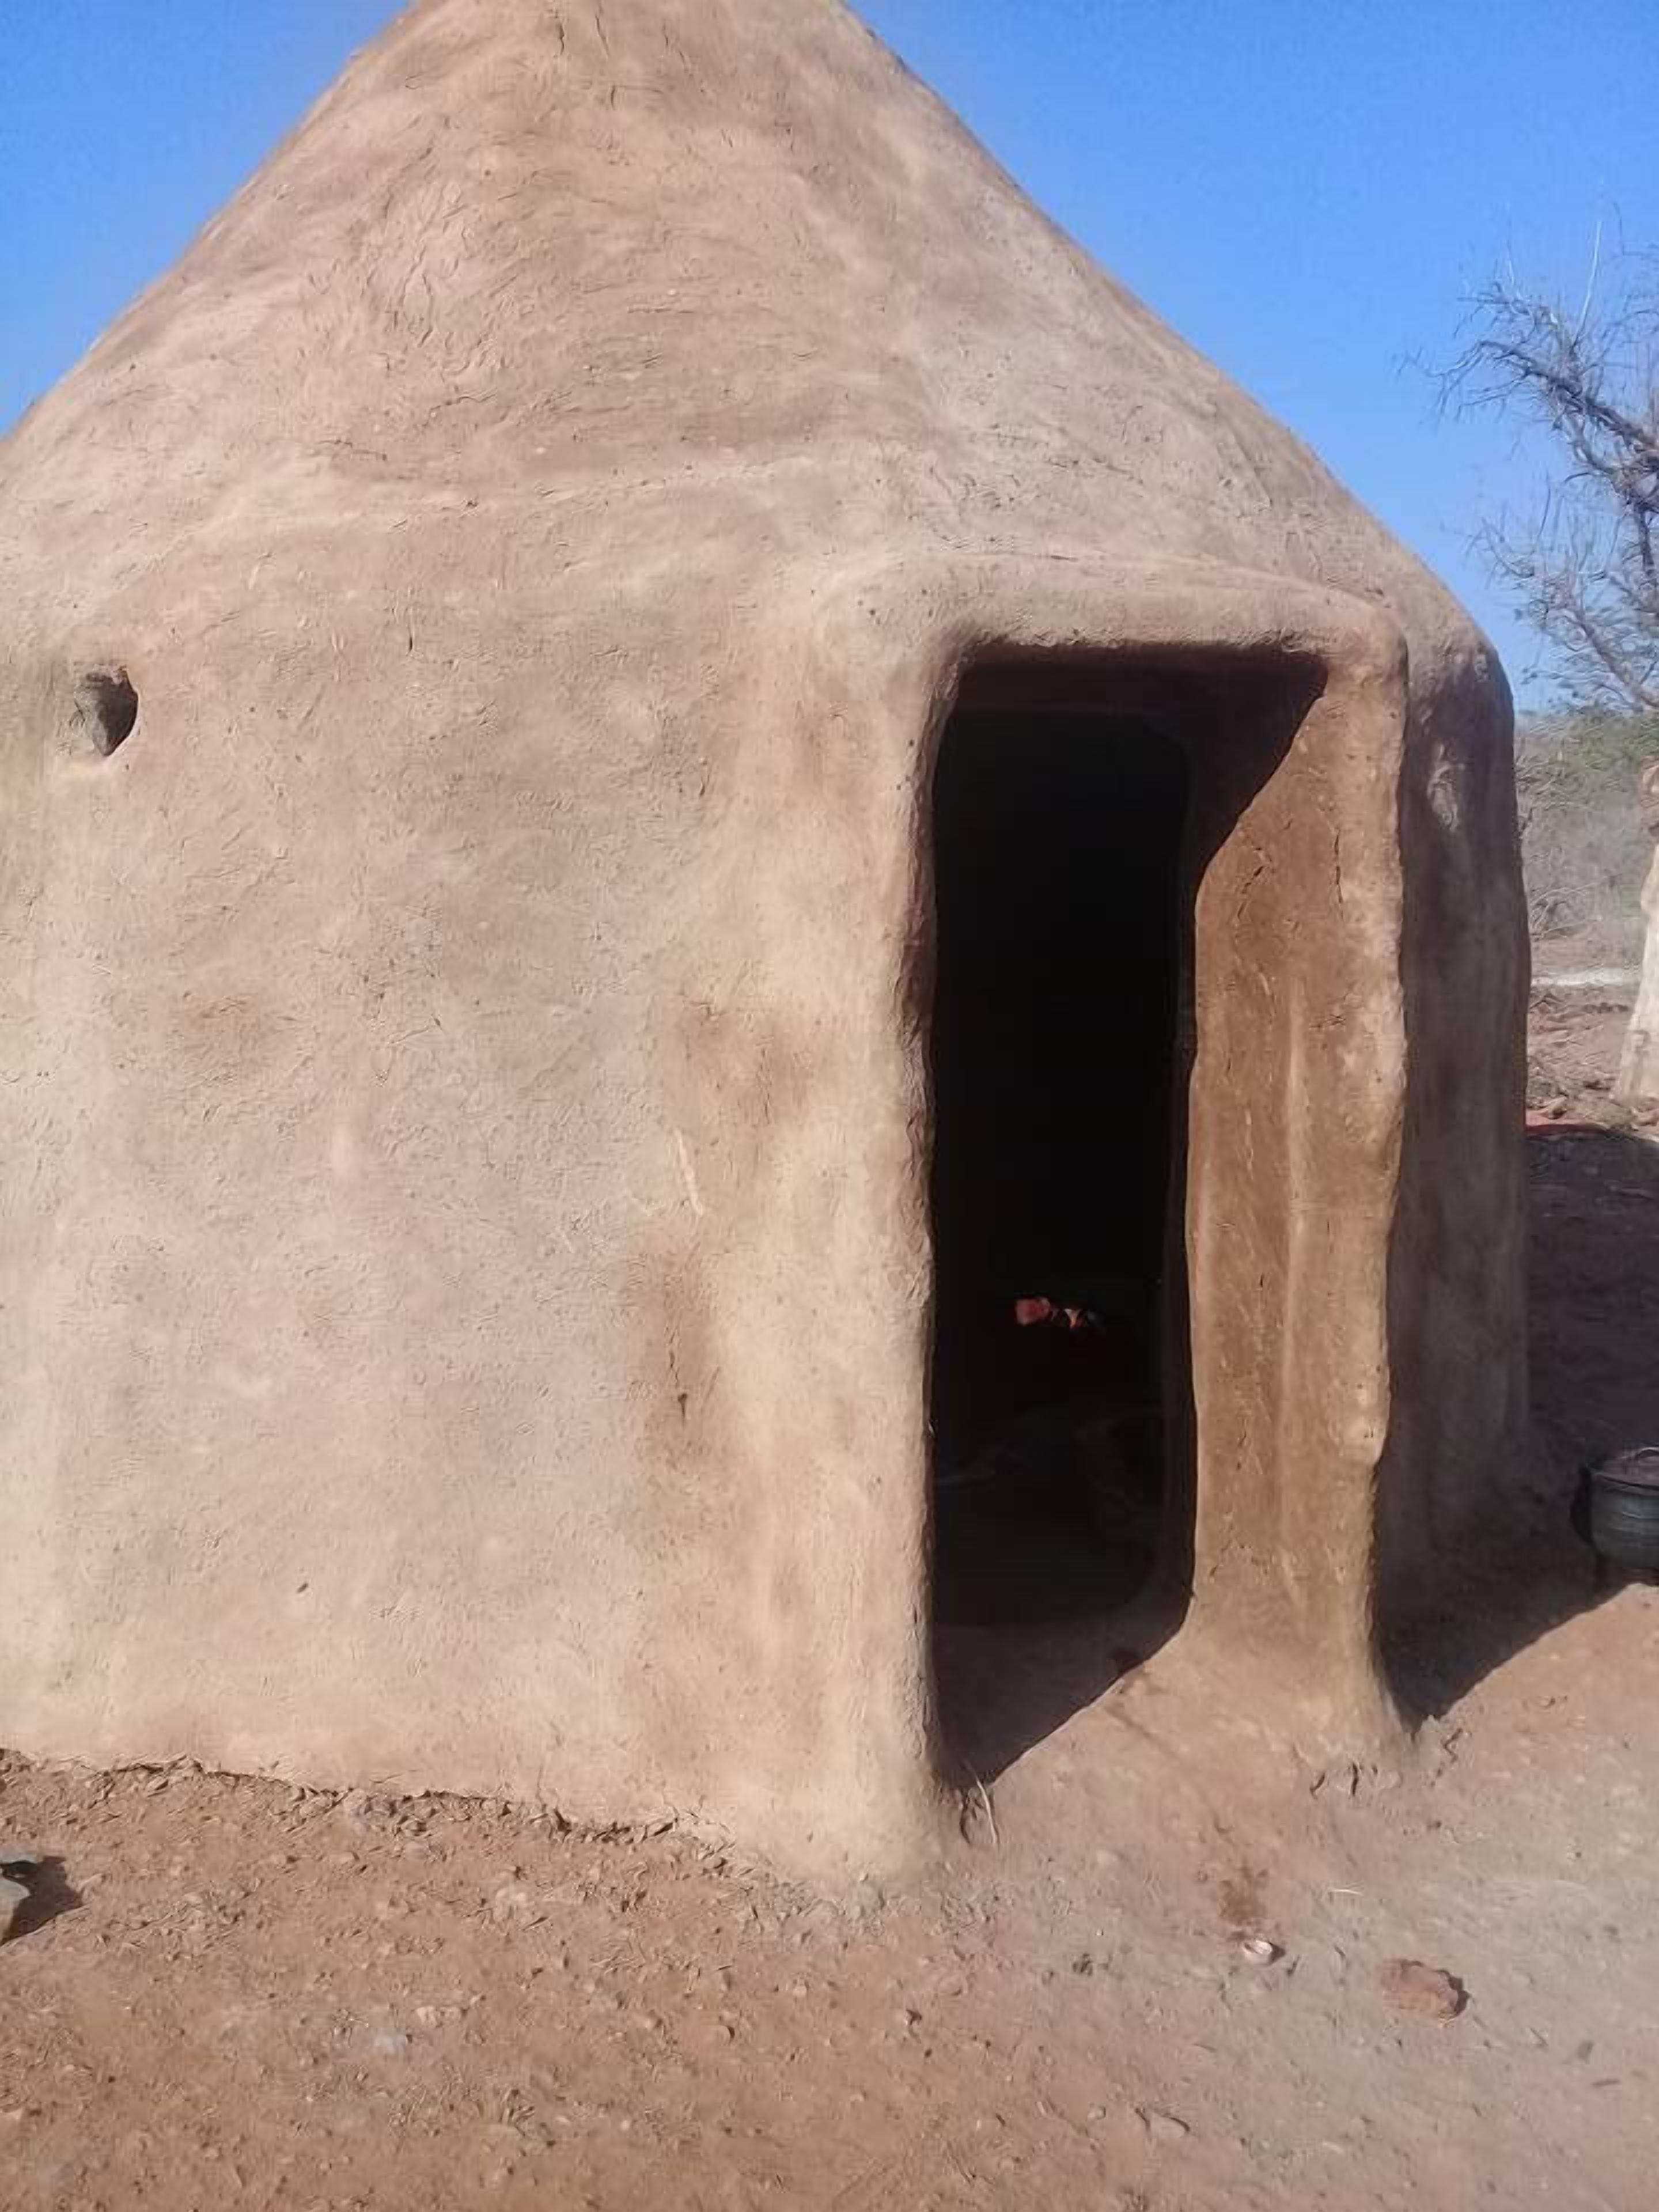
x,y
563,263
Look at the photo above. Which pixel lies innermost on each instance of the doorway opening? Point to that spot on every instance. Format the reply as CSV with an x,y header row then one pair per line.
x,y
1058,1072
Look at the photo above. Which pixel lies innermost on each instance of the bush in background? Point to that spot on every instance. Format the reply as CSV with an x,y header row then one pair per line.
x,y
1584,845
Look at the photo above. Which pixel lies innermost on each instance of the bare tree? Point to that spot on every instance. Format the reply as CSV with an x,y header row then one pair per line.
x,y
1584,564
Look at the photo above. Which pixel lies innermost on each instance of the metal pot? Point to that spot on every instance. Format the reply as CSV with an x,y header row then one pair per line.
x,y
1616,1510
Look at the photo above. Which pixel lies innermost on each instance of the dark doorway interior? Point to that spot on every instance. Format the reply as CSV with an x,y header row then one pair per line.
x,y
1056,1066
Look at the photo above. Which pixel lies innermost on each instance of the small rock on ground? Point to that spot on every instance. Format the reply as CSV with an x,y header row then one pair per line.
x,y
1410,1986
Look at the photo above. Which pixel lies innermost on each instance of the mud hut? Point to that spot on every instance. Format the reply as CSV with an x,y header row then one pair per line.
x,y
664,768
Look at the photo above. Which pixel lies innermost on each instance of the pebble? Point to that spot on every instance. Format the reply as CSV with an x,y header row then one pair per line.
x,y
1410,1986
1163,2127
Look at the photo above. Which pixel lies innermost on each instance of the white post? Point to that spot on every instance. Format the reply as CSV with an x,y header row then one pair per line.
x,y
1639,1068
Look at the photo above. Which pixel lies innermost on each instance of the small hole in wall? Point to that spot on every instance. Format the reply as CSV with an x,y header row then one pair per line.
x,y
105,709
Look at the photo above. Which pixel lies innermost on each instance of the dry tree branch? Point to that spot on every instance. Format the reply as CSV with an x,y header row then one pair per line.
x,y
1584,568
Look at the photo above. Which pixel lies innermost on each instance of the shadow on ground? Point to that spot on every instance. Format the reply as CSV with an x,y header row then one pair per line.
x,y
1594,1314
1038,1616
50,1895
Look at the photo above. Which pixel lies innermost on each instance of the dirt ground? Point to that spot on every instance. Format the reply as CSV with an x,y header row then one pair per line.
x,y
230,1993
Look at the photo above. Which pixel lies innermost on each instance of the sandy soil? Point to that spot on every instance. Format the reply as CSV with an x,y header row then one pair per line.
x,y
231,1993
1572,1057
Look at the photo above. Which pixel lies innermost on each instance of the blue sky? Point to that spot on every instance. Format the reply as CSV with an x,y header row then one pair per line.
x,y
1305,188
